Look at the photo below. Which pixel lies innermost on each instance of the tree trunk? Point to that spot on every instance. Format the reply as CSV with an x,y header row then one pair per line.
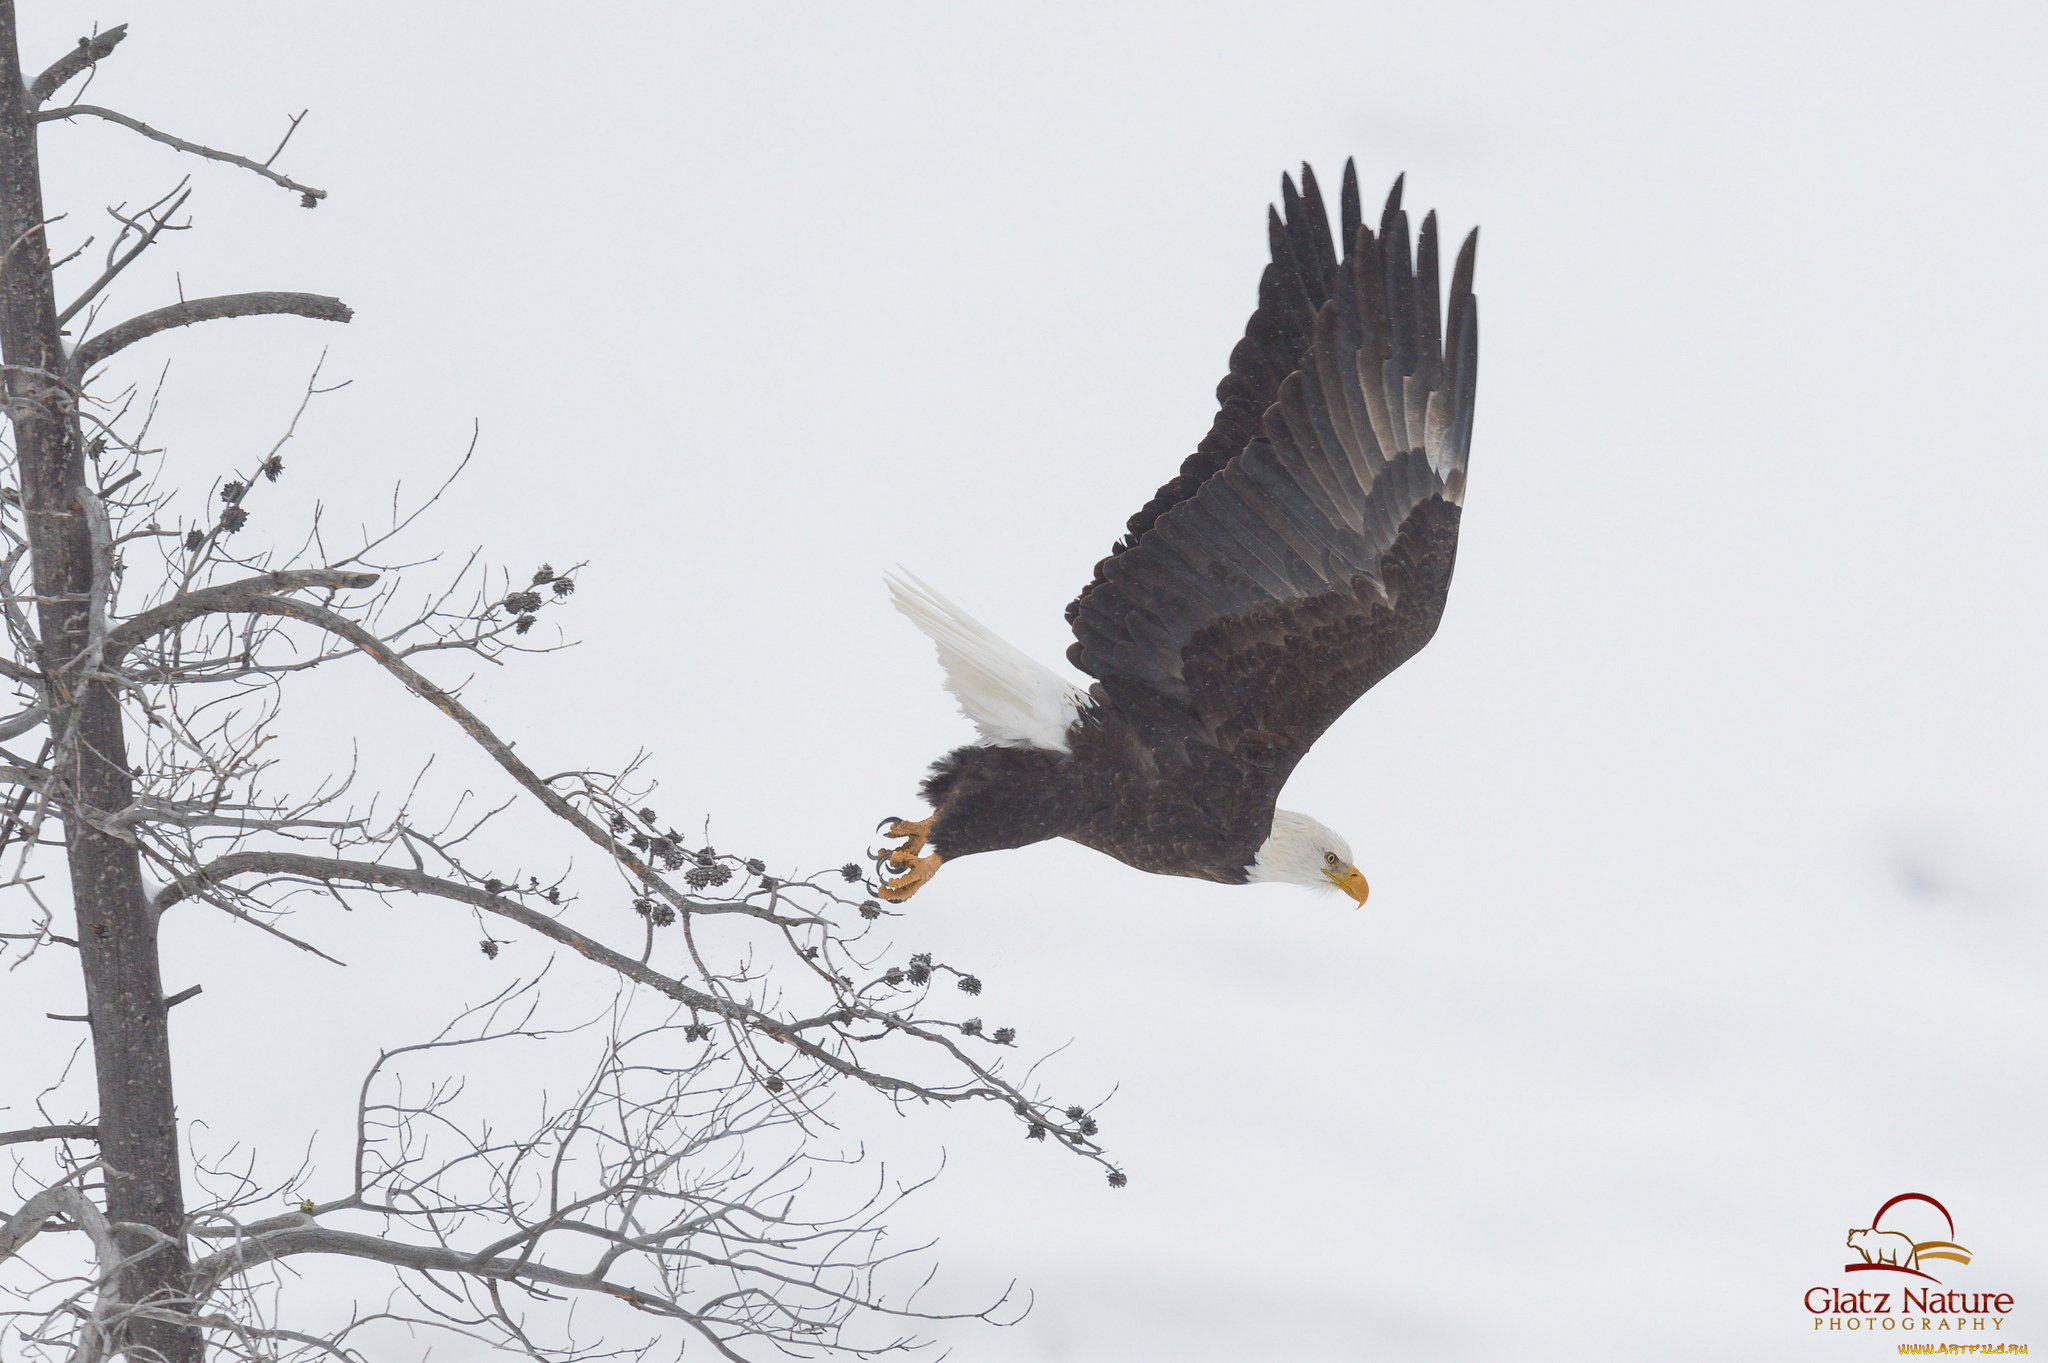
x,y
116,928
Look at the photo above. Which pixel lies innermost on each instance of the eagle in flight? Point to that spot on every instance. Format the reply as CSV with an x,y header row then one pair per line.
x,y
1302,553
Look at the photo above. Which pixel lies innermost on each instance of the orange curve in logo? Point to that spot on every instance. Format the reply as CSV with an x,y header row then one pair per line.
x,y
1939,1249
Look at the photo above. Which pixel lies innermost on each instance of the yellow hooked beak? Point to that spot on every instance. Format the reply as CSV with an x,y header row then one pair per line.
x,y
1352,882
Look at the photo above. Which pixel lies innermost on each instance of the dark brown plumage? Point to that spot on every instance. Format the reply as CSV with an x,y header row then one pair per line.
x,y
1302,553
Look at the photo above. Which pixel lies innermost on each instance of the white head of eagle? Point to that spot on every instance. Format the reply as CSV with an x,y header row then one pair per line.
x,y
1302,851
1302,553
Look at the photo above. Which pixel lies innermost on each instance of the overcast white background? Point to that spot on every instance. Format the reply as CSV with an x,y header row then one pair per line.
x,y
1704,839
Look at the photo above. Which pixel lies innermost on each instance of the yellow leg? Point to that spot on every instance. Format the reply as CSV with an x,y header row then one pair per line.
x,y
916,869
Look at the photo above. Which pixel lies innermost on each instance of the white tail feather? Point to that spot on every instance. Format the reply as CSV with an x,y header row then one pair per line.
x,y
1013,701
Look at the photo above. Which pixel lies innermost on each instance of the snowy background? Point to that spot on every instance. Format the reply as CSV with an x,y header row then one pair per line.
x,y
1704,840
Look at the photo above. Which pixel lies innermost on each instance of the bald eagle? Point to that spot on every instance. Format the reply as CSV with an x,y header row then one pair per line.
x,y
1302,553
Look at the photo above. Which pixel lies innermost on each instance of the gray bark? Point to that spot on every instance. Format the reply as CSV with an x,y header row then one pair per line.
x,y
99,347
116,927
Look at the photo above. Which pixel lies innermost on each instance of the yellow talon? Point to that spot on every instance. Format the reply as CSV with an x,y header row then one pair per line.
x,y
916,869
913,834
915,873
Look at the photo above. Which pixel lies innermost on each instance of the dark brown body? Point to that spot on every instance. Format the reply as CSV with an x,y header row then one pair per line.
x,y
1160,787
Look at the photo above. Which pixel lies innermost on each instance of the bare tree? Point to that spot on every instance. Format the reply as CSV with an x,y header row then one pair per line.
x,y
151,652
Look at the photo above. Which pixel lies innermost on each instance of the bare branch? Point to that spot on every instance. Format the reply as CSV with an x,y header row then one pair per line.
x,y
227,598
499,750
398,877
247,595
22,1227
283,141
50,1133
88,51
309,195
987,1086
107,343
14,726
114,267
650,1195
209,1272
246,1332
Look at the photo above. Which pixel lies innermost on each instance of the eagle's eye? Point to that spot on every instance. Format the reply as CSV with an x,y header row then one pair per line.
x,y
1330,857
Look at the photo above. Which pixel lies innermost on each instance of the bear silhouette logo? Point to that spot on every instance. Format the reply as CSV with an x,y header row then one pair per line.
x,y
1885,1247
1895,1251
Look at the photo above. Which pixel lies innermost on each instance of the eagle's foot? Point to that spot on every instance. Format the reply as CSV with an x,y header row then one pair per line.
x,y
916,871
913,835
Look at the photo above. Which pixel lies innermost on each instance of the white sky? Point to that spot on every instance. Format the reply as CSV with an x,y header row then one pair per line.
x,y
1704,839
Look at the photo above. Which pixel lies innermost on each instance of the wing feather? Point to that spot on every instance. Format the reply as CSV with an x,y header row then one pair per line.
x,y
1304,550
1303,274
1270,501
1331,349
1291,428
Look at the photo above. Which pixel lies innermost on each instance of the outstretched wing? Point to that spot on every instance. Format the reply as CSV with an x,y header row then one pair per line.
x,y
1271,584
1302,277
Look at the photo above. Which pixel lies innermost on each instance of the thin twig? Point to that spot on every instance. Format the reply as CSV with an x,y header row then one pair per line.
x,y
308,195
163,220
